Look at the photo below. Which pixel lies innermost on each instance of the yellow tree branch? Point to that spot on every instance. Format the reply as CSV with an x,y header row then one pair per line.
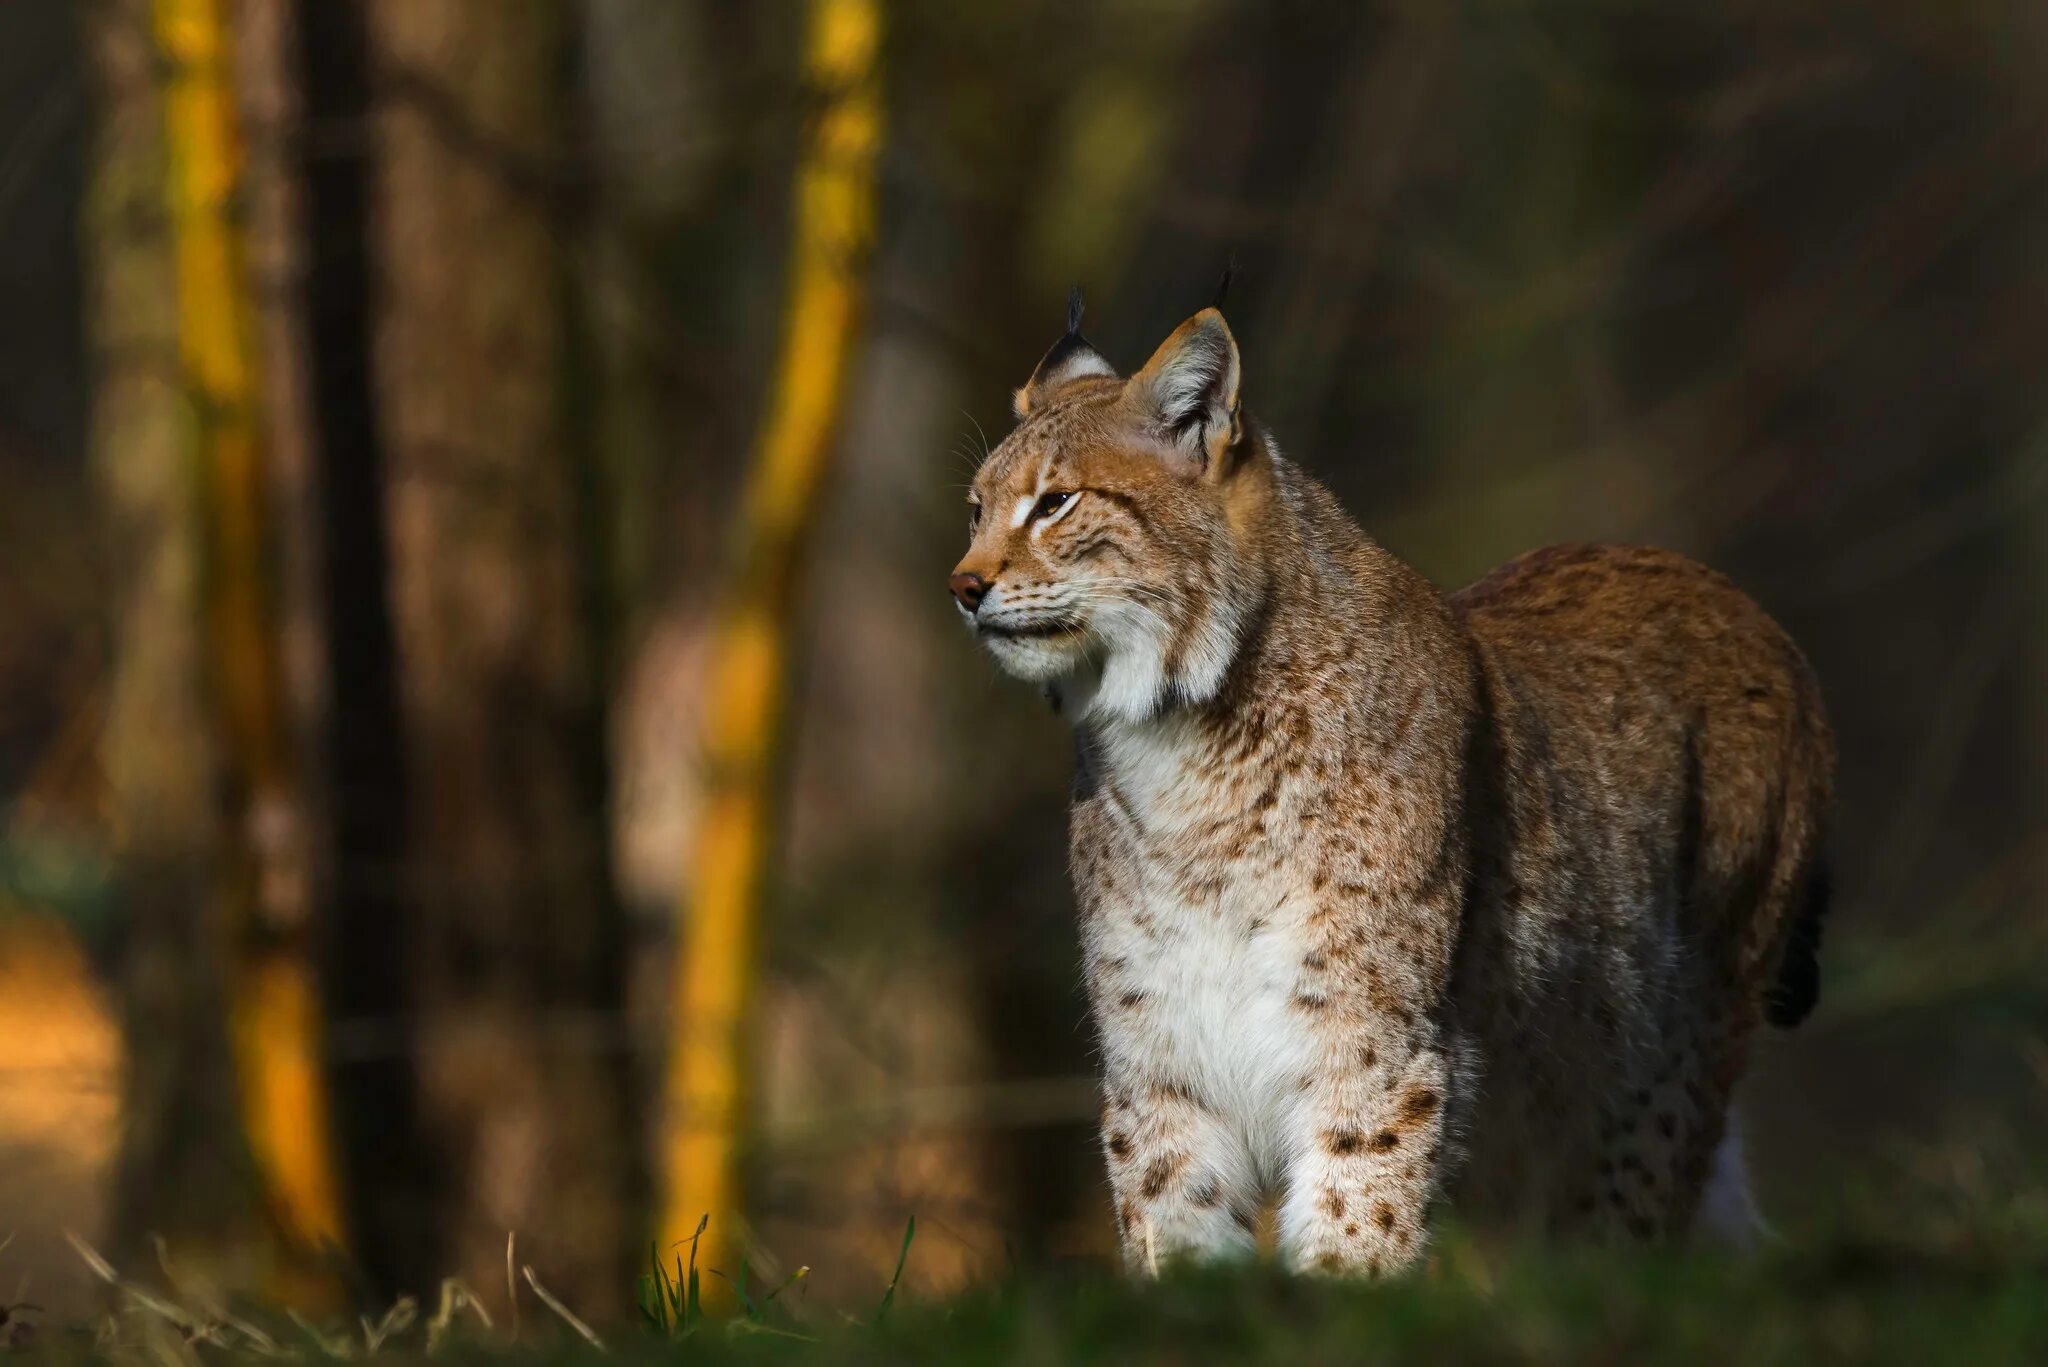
x,y
720,908
273,1005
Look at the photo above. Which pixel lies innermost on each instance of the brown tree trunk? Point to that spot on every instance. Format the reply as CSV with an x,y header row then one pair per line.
x,y
226,1154
515,945
261,887
176,1176
179,796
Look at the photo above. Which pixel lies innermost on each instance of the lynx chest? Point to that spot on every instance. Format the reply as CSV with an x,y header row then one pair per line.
x,y
1193,944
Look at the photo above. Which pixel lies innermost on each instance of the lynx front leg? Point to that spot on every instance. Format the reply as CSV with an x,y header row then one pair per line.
x,y
1182,1178
1367,1151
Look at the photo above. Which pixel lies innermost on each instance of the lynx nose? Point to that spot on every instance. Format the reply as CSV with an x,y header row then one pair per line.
x,y
969,588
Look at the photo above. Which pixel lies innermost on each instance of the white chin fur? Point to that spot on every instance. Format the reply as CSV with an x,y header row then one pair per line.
x,y
1131,683
1035,660
1117,671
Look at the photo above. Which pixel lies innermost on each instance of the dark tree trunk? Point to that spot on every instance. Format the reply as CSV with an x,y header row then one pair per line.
x,y
503,915
392,1173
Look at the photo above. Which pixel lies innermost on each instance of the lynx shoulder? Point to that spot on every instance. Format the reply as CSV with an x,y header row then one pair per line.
x,y
1392,898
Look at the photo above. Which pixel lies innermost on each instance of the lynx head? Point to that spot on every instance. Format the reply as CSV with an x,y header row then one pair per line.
x,y
1111,557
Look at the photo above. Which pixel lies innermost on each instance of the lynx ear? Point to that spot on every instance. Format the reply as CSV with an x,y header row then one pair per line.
x,y
1188,391
1071,358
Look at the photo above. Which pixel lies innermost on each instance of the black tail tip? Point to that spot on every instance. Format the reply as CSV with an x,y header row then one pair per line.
x,y
1797,990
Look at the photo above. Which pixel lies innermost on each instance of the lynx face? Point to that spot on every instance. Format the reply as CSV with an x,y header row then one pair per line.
x,y
1106,560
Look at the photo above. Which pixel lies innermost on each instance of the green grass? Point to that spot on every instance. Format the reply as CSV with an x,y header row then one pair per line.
x,y
1934,1286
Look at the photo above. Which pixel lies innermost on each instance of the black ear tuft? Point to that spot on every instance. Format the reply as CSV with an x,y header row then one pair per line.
x,y
1070,359
1071,348
1223,285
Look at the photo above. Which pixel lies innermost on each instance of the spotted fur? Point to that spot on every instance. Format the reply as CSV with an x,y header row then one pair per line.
x,y
1391,897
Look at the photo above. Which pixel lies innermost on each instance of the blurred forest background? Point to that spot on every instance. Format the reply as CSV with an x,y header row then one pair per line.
x,y
476,486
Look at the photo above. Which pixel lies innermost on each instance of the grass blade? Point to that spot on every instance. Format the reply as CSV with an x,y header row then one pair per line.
x,y
791,1280
693,1301
902,1257
563,1312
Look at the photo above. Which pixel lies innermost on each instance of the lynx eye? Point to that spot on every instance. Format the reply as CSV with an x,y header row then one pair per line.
x,y
973,518
1049,504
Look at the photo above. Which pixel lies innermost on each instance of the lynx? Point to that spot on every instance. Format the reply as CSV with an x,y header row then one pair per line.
x,y
1393,900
